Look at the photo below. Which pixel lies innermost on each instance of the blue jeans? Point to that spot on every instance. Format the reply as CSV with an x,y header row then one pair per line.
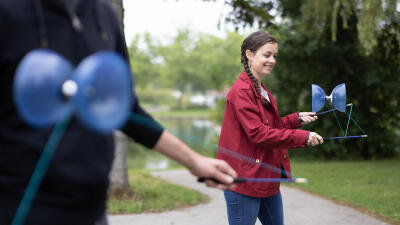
x,y
244,210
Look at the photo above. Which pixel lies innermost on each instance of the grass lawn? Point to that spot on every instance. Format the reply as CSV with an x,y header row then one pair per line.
x,y
150,194
371,186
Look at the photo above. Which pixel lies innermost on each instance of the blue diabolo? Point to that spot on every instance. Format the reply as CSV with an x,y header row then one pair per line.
x,y
99,90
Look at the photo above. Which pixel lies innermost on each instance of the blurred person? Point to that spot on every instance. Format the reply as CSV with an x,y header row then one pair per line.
x,y
253,127
74,188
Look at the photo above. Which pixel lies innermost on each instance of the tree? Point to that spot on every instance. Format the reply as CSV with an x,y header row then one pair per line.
x,y
180,64
191,63
218,59
145,67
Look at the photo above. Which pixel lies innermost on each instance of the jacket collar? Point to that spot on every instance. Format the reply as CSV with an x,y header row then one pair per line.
x,y
243,76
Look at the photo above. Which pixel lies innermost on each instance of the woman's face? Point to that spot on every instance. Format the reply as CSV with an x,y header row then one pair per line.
x,y
263,60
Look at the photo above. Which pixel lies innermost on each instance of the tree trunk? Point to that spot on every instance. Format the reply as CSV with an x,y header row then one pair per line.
x,y
119,172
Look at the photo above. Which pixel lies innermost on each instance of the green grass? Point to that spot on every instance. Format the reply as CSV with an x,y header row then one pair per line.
x,y
150,194
191,113
371,186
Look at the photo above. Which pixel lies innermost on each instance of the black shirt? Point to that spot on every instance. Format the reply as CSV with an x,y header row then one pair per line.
x,y
74,188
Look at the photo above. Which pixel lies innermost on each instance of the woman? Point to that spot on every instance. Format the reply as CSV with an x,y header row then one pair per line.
x,y
252,127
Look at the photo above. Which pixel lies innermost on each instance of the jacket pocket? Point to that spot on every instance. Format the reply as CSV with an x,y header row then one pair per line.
x,y
253,160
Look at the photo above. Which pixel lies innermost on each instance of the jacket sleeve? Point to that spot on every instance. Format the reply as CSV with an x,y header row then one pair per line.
x,y
141,127
262,134
291,121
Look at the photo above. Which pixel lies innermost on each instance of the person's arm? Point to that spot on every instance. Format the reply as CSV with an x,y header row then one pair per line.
x,y
260,133
296,120
142,127
145,130
197,164
291,121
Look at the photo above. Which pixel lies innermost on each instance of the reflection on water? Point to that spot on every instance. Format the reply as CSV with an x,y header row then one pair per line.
x,y
202,123
200,134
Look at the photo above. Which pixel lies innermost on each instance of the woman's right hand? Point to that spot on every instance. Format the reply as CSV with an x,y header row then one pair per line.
x,y
314,139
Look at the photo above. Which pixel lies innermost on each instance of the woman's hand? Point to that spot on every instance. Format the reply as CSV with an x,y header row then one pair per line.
x,y
314,139
307,117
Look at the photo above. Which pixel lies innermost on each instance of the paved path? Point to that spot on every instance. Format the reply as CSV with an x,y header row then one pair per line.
x,y
300,208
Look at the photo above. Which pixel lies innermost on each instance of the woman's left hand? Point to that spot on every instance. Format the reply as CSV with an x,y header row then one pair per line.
x,y
307,117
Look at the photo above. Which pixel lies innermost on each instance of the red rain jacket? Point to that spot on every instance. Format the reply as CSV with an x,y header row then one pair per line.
x,y
258,133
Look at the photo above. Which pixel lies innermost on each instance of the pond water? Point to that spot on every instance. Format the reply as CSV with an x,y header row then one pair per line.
x,y
200,134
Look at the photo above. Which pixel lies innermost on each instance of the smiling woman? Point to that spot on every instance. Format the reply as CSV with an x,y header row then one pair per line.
x,y
252,127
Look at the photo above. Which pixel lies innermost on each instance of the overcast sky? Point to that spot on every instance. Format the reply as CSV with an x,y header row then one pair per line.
x,y
162,18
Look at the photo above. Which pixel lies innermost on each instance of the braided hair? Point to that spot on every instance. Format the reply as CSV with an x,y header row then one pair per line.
x,y
253,42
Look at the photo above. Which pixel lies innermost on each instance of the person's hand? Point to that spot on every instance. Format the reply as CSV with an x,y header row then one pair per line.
x,y
216,169
314,139
198,165
307,117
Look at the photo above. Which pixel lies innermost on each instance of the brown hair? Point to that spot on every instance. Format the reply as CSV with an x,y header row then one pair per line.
x,y
253,42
